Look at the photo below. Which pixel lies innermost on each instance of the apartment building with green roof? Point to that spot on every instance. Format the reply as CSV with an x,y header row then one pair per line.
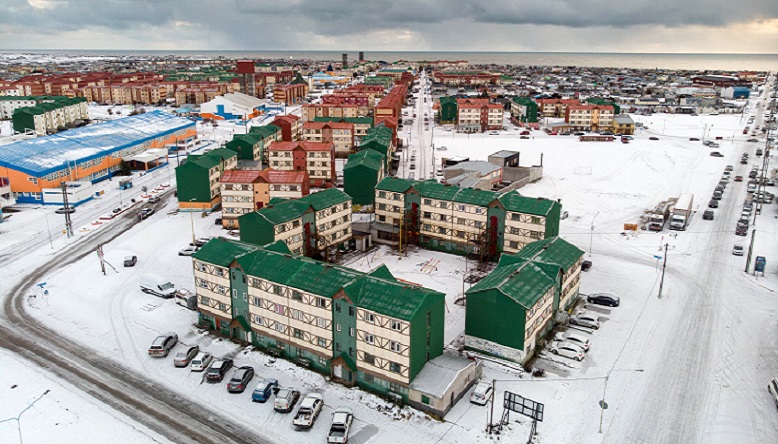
x,y
514,307
364,329
461,220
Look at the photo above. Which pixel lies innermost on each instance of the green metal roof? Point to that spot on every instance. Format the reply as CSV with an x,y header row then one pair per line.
x,y
367,158
201,160
222,252
382,271
395,184
264,131
524,283
431,189
281,213
325,199
554,250
221,154
513,201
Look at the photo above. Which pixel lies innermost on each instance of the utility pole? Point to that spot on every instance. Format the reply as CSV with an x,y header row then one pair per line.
x,y
68,223
662,280
591,235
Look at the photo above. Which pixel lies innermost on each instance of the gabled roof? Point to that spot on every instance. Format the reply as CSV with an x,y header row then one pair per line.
x,y
281,213
222,252
554,250
264,131
439,374
279,176
395,184
513,201
241,176
325,199
305,145
525,283
367,158
431,189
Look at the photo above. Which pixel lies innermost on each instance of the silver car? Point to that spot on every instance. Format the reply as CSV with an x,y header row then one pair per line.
x,y
586,320
185,356
568,350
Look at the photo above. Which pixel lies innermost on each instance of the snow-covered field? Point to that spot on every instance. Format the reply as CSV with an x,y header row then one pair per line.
x,y
39,408
698,358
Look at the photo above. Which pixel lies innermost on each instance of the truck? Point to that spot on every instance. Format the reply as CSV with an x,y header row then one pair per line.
x,y
341,424
156,285
657,219
682,212
309,410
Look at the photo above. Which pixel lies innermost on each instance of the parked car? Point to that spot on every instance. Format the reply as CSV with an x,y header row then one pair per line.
x,y
218,369
737,249
772,389
738,178
576,338
265,388
240,379
717,195
653,138
603,299
285,400
586,320
694,139
184,357
162,345
309,410
188,251
713,203
716,154
741,230
340,426
130,261
568,350
201,361
201,241
64,210
154,199
707,215
720,188
481,393
145,212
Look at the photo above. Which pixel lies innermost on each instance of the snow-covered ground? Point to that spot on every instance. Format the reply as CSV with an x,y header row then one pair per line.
x,y
691,366
39,408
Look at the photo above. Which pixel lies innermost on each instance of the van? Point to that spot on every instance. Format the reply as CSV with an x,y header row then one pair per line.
x,y
264,389
186,299
156,285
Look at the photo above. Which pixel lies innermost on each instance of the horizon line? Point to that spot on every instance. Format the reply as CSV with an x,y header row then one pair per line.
x,y
392,51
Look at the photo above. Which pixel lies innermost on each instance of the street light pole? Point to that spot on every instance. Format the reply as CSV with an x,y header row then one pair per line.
x,y
605,388
48,228
191,219
591,234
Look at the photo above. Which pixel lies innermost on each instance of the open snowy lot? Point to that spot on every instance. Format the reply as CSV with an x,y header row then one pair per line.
x,y
45,407
689,366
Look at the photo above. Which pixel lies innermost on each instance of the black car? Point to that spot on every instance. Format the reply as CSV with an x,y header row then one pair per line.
x,y
716,154
218,369
653,138
707,215
145,212
65,210
744,162
603,299
713,203
694,139
130,261
753,173
240,379
741,231
578,134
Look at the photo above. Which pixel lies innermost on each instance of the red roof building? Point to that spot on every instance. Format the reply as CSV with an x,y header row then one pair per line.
x,y
315,158
291,127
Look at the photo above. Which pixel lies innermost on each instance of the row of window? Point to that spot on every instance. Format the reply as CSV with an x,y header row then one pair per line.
x,y
206,302
454,206
392,196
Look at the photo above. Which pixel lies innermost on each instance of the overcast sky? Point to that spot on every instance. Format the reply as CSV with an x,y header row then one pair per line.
x,y
706,26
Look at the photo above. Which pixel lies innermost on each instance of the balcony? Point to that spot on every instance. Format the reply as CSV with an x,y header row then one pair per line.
x,y
6,196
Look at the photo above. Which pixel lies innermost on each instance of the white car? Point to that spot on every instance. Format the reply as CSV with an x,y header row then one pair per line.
x,y
201,361
577,339
586,320
482,393
568,350
341,425
188,251
737,250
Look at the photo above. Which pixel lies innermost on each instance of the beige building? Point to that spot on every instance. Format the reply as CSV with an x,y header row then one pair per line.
x,y
590,117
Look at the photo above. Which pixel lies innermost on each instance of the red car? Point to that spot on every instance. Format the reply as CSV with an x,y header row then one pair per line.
x,y
738,178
